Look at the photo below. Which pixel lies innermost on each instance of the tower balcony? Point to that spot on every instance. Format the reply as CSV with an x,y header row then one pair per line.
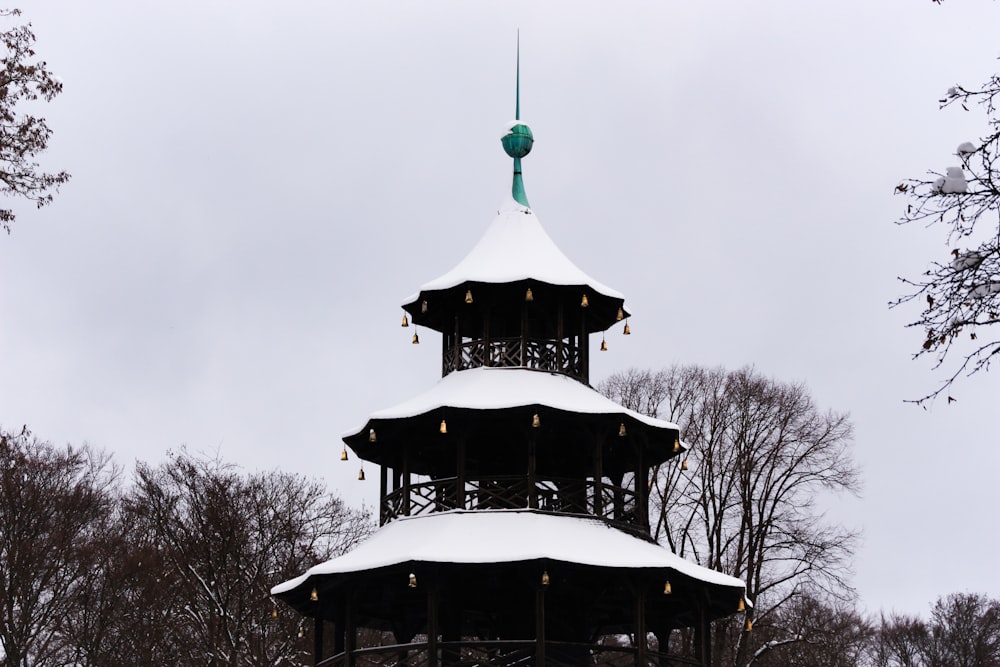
x,y
617,505
558,356
505,653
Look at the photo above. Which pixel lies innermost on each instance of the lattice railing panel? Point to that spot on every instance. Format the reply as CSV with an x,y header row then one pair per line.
x,y
538,353
568,496
505,654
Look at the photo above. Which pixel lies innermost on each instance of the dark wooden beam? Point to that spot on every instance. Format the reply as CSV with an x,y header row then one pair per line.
x,y
703,636
318,640
383,487
432,628
540,626
406,481
560,334
598,475
460,472
458,344
640,627
641,484
339,634
532,468
524,332
350,632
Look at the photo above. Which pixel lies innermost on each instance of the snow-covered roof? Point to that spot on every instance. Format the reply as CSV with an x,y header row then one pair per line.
x,y
504,536
501,388
516,247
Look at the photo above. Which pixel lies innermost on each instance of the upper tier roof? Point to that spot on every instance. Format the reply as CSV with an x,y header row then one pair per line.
x,y
514,249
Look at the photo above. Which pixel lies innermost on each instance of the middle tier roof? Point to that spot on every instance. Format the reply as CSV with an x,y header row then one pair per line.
x,y
488,398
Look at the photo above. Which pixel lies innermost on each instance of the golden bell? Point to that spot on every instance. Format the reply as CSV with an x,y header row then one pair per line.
x,y
413,581
677,446
314,596
627,331
423,306
667,589
741,606
535,421
545,578
274,613
444,427
361,475
684,464
406,322
528,296
343,454
620,316
584,302
749,626
468,296
604,345
371,435
416,338
621,430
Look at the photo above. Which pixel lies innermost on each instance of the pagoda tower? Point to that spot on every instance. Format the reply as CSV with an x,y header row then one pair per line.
x,y
513,511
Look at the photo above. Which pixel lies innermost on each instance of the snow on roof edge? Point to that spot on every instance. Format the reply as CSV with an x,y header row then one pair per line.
x,y
493,536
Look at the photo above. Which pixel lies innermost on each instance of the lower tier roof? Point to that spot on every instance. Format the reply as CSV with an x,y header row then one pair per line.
x,y
506,536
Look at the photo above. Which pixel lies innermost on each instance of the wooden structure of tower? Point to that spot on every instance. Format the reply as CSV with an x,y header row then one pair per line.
x,y
513,496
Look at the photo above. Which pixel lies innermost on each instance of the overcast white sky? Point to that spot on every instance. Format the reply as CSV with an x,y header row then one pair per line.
x,y
258,185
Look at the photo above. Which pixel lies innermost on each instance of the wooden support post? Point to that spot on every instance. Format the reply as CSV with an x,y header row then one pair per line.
x,y
450,620
458,344
350,633
540,626
598,476
487,346
703,637
532,472
432,628
383,488
406,482
445,339
318,640
663,641
563,366
641,485
524,334
339,636
460,472
640,628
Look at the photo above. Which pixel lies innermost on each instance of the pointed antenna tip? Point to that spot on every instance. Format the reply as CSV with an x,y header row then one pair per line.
x,y
517,98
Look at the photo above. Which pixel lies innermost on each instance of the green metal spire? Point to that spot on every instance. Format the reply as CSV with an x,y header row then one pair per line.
x,y
518,140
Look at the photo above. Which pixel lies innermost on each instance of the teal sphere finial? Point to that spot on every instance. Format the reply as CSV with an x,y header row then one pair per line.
x,y
518,141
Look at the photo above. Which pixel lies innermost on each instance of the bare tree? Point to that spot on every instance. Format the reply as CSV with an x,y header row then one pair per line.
x,y
23,135
963,631
899,641
815,632
960,293
52,504
761,452
222,539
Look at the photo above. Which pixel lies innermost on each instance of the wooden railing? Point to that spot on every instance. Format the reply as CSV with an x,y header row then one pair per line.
x,y
505,654
538,353
567,496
